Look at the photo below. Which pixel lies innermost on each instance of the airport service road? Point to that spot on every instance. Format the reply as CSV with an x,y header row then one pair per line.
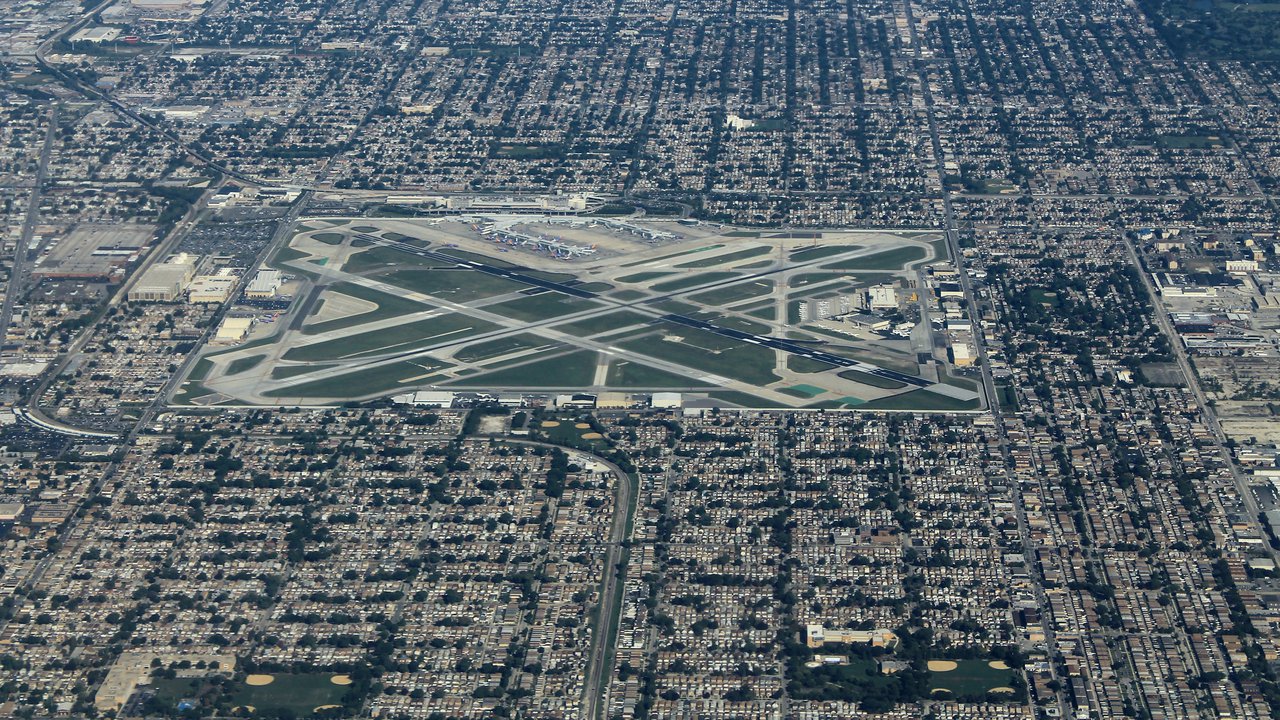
x,y
787,346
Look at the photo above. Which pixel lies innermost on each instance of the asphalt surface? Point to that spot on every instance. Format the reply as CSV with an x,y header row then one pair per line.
x,y
787,346
18,277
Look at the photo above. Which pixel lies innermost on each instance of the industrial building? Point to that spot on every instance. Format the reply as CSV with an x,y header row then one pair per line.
x,y
212,289
166,281
265,284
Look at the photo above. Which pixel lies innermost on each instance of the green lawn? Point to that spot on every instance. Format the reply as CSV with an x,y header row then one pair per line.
x,y
705,248
568,433
456,285
420,371
727,258
738,323
329,238
245,363
542,306
501,346
397,338
388,306
604,323
734,293
379,257
921,400
803,391
201,370
894,259
709,352
873,380
623,373
744,399
300,693
822,251
797,363
644,276
284,372
971,679
477,257
568,370
694,280
284,255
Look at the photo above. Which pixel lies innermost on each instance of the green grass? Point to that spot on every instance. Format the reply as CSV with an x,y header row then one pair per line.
x,y
797,363
566,433
737,323
734,293
379,257
694,281
501,346
568,370
587,327
389,306
624,373
823,251
1189,142
644,277
873,380
284,372
456,285
705,248
744,399
971,678
726,258
627,295
683,308
921,400
397,338
769,312
542,306
245,363
810,280
421,371
1006,396
201,370
711,353
284,255
300,693
477,257
959,382
803,391
329,238
894,259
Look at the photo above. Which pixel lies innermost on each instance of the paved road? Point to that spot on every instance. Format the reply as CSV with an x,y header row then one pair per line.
x,y
159,252
1193,383
787,346
597,670
979,341
18,277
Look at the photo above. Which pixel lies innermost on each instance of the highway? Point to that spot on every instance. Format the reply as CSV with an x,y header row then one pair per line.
x,y
598,668
17,277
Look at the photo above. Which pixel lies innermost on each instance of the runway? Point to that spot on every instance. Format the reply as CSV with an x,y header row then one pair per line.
x,y
787,346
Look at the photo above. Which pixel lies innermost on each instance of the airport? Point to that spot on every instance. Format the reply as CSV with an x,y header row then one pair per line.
x,y
536,305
